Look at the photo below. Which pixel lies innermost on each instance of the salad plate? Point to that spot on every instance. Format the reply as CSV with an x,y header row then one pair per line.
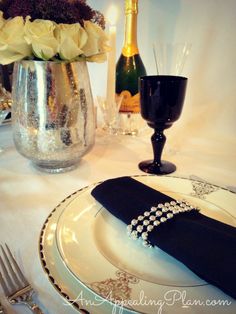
x,y
97,269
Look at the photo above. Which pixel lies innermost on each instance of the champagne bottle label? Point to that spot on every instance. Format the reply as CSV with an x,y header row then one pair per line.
x,y
129,103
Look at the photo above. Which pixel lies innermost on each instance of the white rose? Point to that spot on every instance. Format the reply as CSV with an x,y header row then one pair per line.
x,y
71,39
40,34
97,40
99,58
2,20
13,46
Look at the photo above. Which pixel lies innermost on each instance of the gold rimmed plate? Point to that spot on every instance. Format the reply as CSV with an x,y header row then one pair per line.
x,y
85,250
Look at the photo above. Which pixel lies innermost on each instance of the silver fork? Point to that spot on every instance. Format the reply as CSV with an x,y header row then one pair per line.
x,y
13,282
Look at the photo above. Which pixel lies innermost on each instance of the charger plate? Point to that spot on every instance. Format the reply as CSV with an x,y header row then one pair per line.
x,y
97,269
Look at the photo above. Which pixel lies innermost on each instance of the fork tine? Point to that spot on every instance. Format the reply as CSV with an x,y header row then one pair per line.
x,y
7,277
12,274
3,284
17,268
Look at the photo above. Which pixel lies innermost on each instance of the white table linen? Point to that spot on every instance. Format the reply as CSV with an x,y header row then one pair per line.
x,y
27,196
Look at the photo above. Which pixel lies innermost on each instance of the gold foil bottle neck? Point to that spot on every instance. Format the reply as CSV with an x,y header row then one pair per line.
x,y
130,47
131,6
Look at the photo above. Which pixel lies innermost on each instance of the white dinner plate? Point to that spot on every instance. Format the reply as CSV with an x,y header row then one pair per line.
x,y
91,261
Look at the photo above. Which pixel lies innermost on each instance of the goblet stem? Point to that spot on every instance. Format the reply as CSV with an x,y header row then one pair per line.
x,y
158,141
157,166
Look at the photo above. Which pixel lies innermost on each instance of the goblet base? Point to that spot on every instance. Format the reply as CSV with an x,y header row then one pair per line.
x,y
149,166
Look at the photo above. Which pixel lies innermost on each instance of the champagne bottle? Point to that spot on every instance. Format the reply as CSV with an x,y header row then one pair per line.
x,y
129,66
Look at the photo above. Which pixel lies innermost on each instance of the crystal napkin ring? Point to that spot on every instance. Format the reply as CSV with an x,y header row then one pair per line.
x,y
145,223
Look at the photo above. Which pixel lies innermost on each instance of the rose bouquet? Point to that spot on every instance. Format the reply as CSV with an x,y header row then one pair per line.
x,y
54,30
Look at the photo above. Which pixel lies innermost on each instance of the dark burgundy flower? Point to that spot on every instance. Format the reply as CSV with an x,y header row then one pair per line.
x,y
4,4
59,11
18,8
98,18
82,10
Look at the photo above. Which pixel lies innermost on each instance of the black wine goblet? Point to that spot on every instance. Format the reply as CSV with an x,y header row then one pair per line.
x,y
161,99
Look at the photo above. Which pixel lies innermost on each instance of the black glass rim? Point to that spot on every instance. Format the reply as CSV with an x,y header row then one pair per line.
x,y
160,78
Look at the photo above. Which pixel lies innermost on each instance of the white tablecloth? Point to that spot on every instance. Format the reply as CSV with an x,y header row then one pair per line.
x,y
27,196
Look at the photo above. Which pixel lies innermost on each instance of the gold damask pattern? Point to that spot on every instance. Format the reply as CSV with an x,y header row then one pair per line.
x,y
117,289
201,189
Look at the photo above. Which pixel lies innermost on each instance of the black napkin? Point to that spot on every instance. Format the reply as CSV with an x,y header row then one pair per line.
x,y
206,246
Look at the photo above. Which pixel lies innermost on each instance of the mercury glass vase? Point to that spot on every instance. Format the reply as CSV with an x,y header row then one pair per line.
x,y
52,113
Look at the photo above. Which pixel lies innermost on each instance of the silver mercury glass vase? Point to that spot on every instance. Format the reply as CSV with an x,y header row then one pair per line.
x,y
52,113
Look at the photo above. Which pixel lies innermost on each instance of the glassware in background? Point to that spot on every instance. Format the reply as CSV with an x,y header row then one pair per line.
x,y
170,58
130,123
110,114
161,99
5,105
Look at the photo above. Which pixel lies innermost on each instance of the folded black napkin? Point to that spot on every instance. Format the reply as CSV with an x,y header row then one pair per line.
x,y
204,245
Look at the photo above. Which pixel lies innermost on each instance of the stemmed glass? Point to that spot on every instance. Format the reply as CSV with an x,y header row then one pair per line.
x,y
170,58
110,113
161,100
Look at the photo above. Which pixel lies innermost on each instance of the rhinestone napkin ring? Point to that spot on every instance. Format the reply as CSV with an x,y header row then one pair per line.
x,y
141,226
